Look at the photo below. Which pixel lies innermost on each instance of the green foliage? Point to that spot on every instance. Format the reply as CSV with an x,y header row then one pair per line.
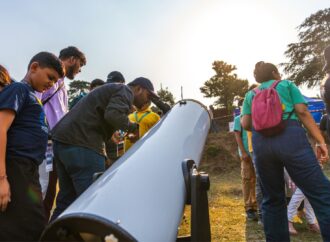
x,y
224,85
306,56
76,88
166,96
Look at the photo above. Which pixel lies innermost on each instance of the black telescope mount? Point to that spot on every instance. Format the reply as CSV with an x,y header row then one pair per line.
x,y
197,184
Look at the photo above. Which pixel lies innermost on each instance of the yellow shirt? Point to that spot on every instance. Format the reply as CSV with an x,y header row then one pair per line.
x,y
146,119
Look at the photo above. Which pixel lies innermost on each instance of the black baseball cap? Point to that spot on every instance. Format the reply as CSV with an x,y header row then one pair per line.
x,y
115,76
96,83
327,59
144,83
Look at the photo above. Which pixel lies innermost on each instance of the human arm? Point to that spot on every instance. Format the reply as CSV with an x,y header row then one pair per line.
x,y
307,120
301,110
246,122
160,104
116,112
6,119
246,118
239,138
239,141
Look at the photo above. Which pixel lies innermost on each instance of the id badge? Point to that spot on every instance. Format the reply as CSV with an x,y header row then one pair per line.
x,y
49,156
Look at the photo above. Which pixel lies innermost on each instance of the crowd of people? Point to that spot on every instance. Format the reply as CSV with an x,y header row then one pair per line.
x,y
44,141
278,155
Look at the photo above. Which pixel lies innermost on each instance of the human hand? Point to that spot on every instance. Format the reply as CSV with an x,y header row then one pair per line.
x,y
245,156
116,137
133,137
4,193
322,153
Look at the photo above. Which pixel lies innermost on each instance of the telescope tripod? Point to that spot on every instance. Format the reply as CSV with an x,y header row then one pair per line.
x,y
197,184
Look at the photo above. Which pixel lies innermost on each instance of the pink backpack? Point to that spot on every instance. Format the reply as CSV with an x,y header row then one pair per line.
x,y
267,111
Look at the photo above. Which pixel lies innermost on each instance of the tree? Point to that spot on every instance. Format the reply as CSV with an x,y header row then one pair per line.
x,y
306,56
76,88
224,85
166,96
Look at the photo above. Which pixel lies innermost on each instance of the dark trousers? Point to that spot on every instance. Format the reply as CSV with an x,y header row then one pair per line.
x,y
258,190
75,169
51,192
24,218
291,150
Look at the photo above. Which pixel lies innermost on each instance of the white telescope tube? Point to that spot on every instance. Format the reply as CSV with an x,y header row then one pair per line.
x,y
144,192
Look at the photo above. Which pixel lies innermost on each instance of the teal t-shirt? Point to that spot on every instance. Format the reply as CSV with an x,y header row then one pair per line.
x,y
238,127
289,95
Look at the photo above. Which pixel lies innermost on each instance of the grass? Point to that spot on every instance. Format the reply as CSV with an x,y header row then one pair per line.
x,y
226,208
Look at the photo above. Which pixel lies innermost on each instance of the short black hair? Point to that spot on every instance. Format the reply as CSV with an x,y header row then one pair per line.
x,y
49,60
72,51
96,83
264,71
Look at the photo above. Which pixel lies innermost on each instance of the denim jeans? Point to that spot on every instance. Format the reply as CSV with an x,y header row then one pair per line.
x,y
258,190
291,150
75,168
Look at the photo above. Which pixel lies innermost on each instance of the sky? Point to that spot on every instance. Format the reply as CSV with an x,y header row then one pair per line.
x,y
172,42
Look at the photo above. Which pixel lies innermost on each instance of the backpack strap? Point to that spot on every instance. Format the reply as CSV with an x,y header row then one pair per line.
x,y
50,97
275,83
256,90
290,114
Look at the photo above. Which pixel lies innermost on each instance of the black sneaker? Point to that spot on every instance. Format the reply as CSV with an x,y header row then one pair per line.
x,y
251,215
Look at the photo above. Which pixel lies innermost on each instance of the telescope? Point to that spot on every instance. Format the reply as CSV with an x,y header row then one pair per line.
x,y
142,196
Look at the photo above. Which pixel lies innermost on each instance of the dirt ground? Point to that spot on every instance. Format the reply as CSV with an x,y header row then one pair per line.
x,y
228,220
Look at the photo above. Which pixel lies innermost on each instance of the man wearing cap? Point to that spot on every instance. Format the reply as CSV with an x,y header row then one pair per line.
x,y
115,77
144,116
325,86
80,136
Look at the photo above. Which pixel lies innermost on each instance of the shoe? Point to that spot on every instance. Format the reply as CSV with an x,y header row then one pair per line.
x,y
315,228
251,215
292,230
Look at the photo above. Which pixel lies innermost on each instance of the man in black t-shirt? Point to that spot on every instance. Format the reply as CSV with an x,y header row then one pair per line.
x,y
23,140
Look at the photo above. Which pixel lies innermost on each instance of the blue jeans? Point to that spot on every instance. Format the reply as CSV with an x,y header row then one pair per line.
x,y
291,150
258,189
75,168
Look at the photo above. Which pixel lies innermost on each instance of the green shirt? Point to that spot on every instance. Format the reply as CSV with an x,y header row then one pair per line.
x,y
289,95
238,127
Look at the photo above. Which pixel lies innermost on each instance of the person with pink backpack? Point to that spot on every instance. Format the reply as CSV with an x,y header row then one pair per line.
x,y
275,112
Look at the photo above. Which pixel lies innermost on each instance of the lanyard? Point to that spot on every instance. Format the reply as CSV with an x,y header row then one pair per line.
x,y
38,100
138,120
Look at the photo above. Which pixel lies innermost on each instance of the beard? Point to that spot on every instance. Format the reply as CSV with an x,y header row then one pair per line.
x,y
139,103
70,72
